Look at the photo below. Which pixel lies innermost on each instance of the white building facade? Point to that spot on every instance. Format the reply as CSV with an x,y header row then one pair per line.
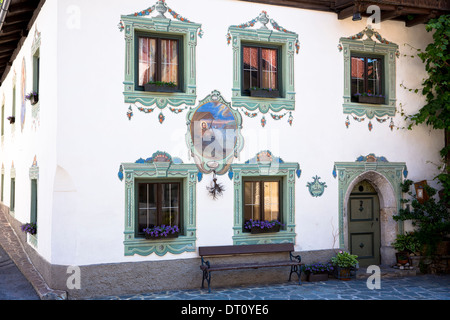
x,y
99,157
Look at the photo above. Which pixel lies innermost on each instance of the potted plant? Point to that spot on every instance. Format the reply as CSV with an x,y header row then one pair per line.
x,y
317,271
431,219
368,97
264,92
11,119
260,226
405,244
344,262
161,86
33,97
162,231
30,228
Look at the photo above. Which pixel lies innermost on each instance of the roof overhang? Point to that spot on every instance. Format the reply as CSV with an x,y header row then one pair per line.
x,y
412,12
16,20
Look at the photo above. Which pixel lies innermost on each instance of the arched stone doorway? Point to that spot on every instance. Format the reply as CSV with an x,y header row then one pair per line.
x,y
385,177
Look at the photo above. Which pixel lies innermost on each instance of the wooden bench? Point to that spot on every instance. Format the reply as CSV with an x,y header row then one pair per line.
x,y
213,251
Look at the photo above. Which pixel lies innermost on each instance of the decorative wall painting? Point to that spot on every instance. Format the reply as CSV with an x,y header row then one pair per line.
x,y
214,134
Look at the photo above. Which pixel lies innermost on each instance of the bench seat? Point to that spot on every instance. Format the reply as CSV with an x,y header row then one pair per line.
x,y
213,251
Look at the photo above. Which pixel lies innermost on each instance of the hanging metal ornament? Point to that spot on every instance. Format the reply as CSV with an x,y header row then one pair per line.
x,y
215,189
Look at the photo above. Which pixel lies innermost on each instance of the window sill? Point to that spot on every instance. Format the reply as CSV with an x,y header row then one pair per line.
x,y
32,240
370,110
264,104
282,236
161,99
145,247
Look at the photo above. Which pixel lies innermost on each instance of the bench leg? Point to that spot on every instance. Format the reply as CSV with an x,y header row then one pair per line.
x,y
207,276
298,271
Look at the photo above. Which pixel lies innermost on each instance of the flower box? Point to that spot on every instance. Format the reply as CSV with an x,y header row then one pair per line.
x,y
161,232
33,97
160,236
371,99
152,87
260,226
315,277
264,93
256,230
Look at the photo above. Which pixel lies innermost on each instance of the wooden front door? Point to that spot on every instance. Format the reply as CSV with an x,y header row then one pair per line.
x,y
364,224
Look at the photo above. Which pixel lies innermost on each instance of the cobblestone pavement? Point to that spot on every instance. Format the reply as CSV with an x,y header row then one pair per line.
x,y
13,284
420,287
19,279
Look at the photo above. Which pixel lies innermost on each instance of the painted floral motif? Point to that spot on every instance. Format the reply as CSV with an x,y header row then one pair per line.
x,y
290,119
146,110
176,110
130,113
161,9
263,18
161,118
250,115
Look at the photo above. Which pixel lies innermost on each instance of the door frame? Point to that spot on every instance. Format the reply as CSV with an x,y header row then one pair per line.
x,y
386,178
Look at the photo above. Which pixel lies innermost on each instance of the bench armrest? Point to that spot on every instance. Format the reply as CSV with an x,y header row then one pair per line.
x,y
298,257
205,263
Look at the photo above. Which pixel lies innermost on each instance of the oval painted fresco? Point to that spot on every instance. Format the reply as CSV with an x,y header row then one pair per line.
x,y
213,131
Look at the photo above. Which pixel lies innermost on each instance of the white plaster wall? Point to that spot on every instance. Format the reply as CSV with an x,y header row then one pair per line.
x,y
35,139
94,135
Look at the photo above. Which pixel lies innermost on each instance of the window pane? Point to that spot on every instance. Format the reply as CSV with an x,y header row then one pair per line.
x,y
252,201
147,60
358,74
269,68
147,206
250,67
169,61
374,76
271,200
170,204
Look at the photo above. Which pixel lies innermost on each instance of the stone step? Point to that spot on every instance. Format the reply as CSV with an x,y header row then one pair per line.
x,y
387,272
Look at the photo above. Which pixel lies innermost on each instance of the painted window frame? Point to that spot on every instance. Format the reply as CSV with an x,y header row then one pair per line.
x,y
32,239
383,48
36,64
287,41
2,130
2,183
12,196
263,168
139,23
159,171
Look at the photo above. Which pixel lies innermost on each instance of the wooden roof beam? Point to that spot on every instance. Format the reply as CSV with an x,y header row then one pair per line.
x,y
421,19
387,15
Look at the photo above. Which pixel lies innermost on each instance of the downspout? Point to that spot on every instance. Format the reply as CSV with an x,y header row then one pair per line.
x,y
3,12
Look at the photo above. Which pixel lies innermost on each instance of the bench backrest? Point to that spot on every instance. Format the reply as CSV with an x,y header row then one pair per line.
x,y
245,249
